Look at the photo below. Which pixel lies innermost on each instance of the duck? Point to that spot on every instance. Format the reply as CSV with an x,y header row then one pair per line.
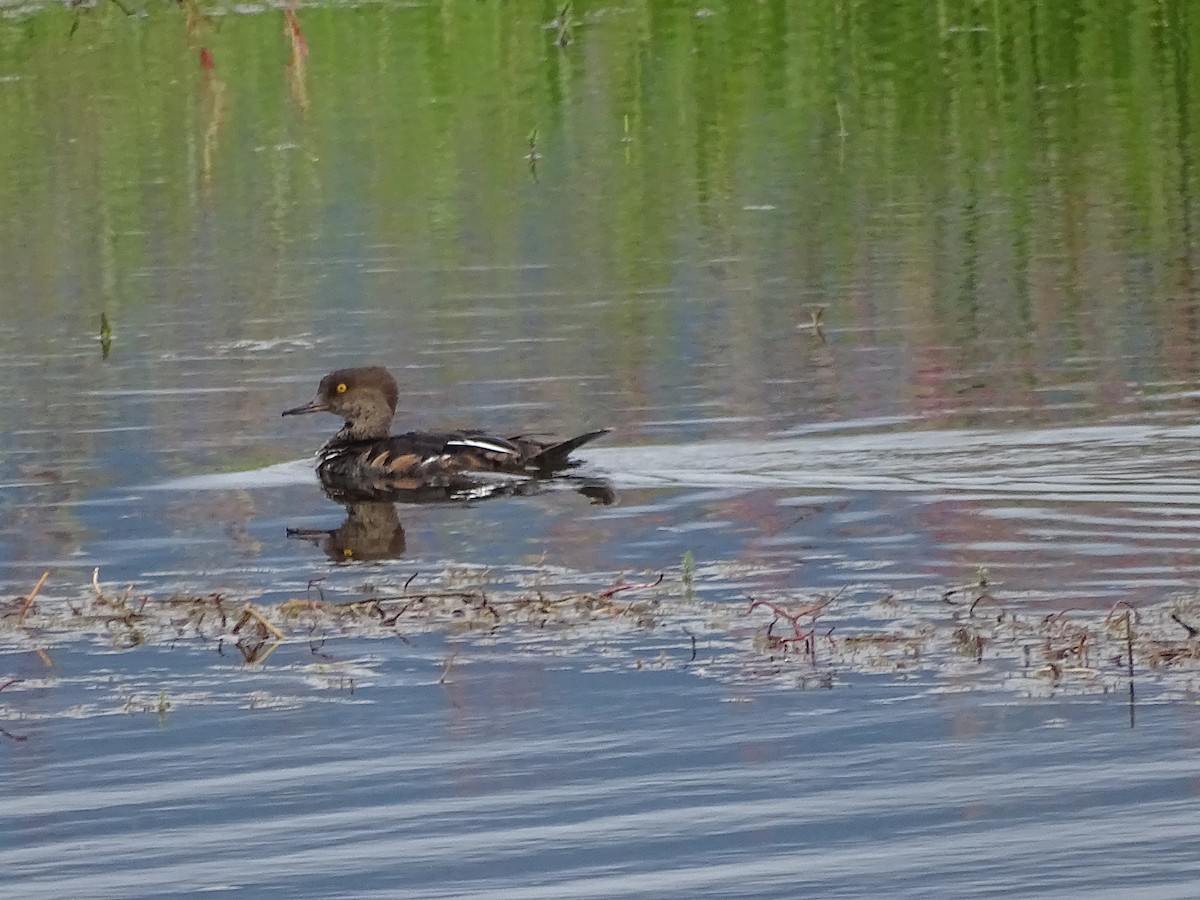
x,y
364,459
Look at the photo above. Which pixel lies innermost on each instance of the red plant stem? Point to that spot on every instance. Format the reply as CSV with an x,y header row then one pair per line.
x,y
604,595
794,618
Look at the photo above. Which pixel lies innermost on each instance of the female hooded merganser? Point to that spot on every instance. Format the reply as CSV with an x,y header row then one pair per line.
x,y
363,458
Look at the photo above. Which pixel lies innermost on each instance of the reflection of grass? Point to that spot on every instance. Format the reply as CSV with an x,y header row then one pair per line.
x,y
961,639
976,139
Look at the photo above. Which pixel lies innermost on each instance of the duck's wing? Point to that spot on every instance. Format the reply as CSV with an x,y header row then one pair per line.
x,y
455,451
480,451
552,456
431,457
478,441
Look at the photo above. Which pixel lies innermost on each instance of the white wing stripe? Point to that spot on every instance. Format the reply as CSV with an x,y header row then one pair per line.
x,y
482,444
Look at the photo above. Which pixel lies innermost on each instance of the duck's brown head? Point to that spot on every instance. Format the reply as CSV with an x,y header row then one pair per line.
x,y
364,397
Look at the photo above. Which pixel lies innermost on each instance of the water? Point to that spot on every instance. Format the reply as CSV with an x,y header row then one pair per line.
x,y
511,779
989,444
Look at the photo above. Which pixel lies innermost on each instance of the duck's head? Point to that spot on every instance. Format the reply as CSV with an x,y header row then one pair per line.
x,y
364,397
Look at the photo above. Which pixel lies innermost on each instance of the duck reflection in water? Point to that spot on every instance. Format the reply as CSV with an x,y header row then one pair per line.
x,y
373,530
368,469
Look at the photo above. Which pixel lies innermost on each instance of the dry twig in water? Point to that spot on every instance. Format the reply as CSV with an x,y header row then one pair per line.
x,y
604,595
29,600
249,612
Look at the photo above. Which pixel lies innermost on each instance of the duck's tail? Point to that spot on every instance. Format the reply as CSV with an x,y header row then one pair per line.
x,y
555,456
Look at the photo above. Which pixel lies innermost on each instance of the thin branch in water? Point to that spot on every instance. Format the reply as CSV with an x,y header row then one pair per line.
x,y
1125,603
692,658
1129,650
1192,632
604,595
449,664
249,612
29,600
984,596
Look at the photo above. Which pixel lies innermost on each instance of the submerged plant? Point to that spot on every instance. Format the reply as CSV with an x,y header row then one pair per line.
x,y
105,336
687,575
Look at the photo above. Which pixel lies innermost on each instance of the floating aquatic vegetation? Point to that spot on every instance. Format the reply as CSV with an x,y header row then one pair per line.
x,y
961,639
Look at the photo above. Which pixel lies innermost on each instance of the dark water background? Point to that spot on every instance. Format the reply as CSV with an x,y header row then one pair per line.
x,y
994,204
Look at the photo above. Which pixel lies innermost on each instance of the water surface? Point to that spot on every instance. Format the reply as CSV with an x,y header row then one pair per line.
x,y
633,229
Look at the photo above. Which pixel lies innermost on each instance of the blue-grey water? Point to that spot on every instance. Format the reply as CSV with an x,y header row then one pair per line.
x,y
526,776
983,457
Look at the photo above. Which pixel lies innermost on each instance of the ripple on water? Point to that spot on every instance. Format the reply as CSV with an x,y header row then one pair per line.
x,y
515,778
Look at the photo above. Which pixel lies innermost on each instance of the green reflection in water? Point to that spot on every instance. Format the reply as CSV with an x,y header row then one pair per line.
x,y
988,184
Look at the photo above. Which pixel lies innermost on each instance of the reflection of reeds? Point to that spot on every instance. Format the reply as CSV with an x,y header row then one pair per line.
x,y
297,63
213,99
80,8
563,26
534,155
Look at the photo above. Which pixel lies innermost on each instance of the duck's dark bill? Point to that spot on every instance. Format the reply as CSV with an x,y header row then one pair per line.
x,y
315,406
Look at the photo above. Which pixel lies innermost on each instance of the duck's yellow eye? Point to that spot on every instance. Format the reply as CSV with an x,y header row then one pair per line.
x,y
341,388
347,552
